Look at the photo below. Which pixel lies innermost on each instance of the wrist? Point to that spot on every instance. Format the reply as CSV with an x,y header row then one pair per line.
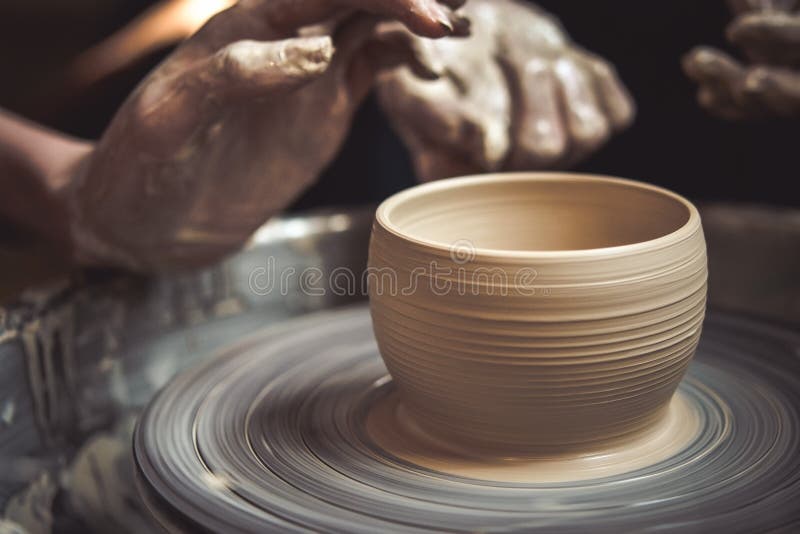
x,y
36,165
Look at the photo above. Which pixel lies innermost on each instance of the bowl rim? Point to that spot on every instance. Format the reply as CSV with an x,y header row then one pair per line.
x,y
685,231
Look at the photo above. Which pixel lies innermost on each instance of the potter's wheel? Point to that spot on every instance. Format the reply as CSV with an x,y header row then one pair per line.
x,y
272,436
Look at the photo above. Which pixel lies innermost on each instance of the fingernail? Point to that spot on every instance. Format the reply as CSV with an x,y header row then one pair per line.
x,y
442,16
309,53
446,24
318,48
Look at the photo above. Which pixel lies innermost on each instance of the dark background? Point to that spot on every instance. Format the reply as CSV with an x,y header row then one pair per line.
x,y
673,143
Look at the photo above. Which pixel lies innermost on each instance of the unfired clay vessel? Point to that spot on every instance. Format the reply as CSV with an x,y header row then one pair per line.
x,y
535,313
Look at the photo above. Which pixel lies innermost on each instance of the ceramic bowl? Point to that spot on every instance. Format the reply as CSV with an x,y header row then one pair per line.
x,y
539,311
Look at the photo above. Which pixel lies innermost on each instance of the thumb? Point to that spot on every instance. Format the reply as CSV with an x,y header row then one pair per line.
x,y
251,68
174,105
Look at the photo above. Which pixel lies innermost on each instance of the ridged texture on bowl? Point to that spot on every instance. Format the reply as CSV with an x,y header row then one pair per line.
x,y
586,348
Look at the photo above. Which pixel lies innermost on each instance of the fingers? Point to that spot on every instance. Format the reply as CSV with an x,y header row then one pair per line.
x,y
768,37
487,137
385,54
539,130
393,48
176,104
366,46
251,68
351,68
776,90
711,67
740,6
435,163
744,6
446,117
439,128
720,104
266,20
233,24
427,18
617,103
433,154
719,77
289,15
731,91
586,123
453,4
412,104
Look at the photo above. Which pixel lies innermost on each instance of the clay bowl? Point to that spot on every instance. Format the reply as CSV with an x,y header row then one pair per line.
x,y
537,312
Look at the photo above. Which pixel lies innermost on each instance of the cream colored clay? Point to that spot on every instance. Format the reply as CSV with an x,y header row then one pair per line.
x,y
577,362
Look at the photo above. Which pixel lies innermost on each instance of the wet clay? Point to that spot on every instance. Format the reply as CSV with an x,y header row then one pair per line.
x,y
537,314
391,427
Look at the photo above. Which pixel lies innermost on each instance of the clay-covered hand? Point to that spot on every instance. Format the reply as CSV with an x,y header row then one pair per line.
x,y
517,94
768,33
235,124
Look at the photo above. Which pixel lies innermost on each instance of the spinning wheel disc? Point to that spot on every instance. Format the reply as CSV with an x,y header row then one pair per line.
x,y
272,435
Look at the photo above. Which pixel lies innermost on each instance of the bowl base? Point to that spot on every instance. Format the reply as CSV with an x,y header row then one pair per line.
x,y
392,428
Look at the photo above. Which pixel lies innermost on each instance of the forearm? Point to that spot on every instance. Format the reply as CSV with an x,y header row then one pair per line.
x,y
36,165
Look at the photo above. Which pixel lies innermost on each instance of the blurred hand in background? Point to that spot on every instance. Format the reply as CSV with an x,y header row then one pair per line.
x,y
768,82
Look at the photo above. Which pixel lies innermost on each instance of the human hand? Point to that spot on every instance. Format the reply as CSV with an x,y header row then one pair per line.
x,y
235,124
515,95
768,33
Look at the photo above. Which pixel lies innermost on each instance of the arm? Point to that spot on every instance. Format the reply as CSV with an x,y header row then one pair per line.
x,y
35,166
225,133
